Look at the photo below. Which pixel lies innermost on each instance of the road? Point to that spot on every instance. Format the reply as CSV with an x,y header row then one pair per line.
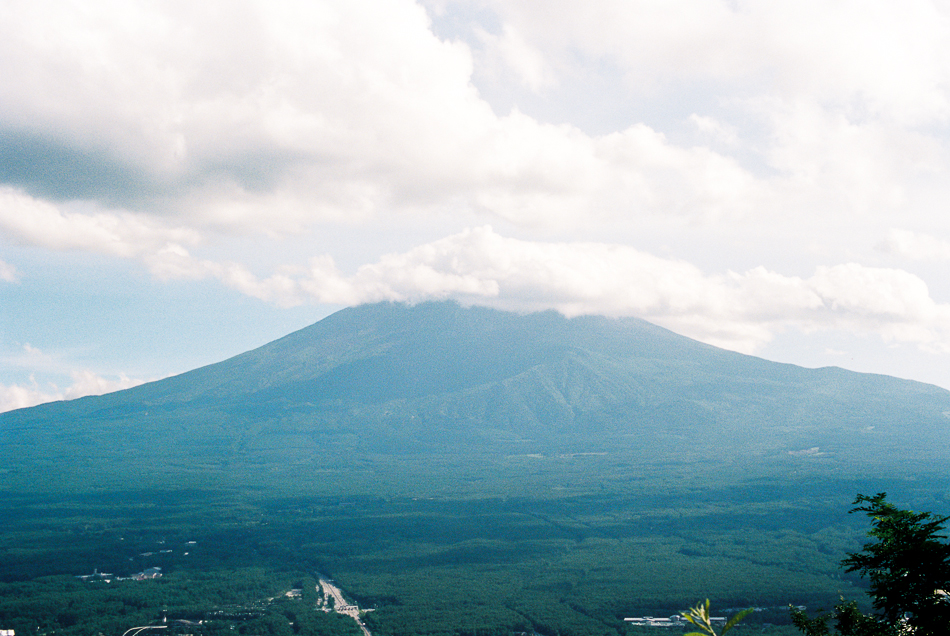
x,y
329,590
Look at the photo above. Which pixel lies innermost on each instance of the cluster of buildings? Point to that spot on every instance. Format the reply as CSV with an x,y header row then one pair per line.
x,y
671,621
149,573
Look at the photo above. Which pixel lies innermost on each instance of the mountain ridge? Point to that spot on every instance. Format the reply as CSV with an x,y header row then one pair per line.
x,y
391,380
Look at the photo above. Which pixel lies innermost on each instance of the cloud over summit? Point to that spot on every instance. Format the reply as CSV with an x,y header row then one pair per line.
x,y
734,171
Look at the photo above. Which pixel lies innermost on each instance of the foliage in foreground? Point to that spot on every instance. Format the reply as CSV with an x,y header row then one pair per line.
x,y
908,565
699,616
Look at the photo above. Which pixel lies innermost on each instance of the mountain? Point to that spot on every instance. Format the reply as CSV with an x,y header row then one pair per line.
x,y
437,396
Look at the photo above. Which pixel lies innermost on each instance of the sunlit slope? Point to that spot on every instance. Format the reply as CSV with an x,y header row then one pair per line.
x,y
475,388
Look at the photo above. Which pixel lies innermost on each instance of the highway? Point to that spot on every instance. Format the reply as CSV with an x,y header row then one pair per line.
x,y
329,590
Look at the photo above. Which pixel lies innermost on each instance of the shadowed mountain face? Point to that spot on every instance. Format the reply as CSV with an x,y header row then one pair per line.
x,y
389,391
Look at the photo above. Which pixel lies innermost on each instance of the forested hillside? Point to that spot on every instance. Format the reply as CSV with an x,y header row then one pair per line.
x,y
437,393
459,471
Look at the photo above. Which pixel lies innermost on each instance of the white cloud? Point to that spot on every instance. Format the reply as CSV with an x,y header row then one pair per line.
x,y
157,132
36,222
915,246
159,248
8,272
722,133
510,52
740,311
30,357
865,291
841,107
891,56
856,166
84,382
276,116
22,396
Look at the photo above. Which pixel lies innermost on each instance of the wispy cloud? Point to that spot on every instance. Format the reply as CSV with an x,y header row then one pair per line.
x,y
82,381
508,52
36,222
915,246
8,272
19,396
889,56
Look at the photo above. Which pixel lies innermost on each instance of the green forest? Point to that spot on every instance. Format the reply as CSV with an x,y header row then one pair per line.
x,y
458,472
575,564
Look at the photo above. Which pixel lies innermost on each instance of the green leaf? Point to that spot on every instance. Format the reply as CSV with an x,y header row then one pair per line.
x,y
735,619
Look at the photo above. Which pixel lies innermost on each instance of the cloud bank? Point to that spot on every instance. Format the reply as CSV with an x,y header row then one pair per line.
x,y
739,311
277,116
732,170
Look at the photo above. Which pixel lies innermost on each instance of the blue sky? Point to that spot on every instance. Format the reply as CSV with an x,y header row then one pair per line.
x,y
182,182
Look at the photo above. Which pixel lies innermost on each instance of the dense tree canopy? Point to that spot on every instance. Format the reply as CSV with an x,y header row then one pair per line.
x,y
908,565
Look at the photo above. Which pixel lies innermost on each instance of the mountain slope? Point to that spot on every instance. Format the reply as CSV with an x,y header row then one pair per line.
x,y
372,386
